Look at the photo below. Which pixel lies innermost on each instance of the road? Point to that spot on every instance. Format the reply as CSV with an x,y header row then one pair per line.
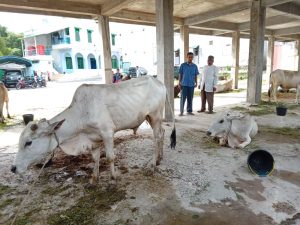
x,y
47,102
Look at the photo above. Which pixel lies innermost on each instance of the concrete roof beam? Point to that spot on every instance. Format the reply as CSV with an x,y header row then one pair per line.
x,y
115,6
211,15
63,7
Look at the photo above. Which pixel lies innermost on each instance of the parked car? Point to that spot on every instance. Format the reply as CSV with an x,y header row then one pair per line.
x,y
12,77
132,72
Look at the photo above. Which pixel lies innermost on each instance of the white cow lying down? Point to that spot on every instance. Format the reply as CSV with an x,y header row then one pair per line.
x,y
95,114
234,128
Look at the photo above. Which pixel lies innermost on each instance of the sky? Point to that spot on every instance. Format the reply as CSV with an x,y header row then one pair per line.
x,y
19,23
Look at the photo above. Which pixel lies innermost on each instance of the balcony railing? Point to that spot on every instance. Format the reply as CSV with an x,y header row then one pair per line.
x,y
33,52
62,40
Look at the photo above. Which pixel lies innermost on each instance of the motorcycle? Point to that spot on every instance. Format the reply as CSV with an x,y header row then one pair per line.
x,y
41,81
22,83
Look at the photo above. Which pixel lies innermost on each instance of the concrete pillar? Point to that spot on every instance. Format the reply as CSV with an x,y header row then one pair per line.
x,y
235,53
270,59
298,54
184,42
103,23
256,50
165,49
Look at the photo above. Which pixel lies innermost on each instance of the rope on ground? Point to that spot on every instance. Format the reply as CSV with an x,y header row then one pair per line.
x,y
30,190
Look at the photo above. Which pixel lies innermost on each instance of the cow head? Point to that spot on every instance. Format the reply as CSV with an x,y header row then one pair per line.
x,y
222,124
36,142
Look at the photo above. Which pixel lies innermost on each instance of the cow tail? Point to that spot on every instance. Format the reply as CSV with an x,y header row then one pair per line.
x,y
173,134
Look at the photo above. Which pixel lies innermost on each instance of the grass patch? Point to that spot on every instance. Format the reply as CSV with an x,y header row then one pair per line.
x,y
22,221
6,202
234,91
95,201
4,189
209,143
291,132
264,108
10,123
50,190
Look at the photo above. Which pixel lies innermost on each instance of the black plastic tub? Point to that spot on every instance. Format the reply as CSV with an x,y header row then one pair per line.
x,y
281,110
27,118
261,162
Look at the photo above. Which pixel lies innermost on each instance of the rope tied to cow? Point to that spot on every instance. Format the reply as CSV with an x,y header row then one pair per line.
x,y
50,156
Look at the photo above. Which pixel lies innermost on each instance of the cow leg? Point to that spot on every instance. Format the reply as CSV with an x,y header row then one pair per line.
x,y
158,132
275,87
109,150
270,91
245,143
96,157
135,130
8,116
1,112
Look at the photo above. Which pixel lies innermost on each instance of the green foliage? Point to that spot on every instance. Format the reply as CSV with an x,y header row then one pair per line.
x,y
10,43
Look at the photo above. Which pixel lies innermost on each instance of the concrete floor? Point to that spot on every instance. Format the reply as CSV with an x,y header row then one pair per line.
x,y
197,184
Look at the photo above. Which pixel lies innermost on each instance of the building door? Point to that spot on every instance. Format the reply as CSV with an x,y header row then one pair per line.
x,y
93,63
114,62
69,64
80,63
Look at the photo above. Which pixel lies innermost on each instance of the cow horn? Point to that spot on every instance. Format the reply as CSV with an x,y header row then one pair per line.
x,y
34,127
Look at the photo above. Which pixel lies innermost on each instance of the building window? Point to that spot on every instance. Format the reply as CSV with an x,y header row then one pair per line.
x,y
80,63
77,34
113,39
67,31
89,34
114,62
69,63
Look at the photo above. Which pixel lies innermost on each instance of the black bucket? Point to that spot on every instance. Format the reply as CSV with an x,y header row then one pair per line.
x,y
261,162
281,110
27,118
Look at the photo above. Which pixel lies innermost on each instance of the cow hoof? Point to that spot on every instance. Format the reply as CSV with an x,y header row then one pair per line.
x,y
157,162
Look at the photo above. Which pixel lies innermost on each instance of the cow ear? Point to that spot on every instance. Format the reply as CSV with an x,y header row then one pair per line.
x,y
234,115
54,126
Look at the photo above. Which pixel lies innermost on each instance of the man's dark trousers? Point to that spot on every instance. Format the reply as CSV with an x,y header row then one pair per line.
x,y
186,93
209,97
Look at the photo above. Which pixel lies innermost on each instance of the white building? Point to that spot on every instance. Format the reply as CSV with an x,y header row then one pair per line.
x,y
68,46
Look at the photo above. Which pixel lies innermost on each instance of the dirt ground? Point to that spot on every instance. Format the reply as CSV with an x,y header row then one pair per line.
x,y
198,183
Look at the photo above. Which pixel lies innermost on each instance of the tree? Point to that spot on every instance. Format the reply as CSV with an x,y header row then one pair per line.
x,y
10,43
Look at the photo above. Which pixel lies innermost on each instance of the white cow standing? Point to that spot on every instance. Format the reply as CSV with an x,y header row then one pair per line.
x,y
95,114
234,128
285,79
3,99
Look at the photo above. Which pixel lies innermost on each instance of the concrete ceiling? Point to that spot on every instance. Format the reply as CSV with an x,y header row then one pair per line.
x,y
210,17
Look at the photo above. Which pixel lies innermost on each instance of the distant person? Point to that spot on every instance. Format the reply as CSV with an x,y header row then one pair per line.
x,y
188,72
208,85
117,77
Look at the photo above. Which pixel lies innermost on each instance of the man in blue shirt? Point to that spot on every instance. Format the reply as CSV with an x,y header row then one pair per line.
x,y
188,72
